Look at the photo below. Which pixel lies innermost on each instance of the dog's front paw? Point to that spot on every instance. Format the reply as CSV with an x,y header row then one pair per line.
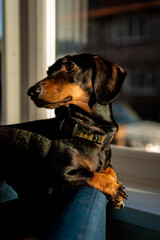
x,y
116,201
109,185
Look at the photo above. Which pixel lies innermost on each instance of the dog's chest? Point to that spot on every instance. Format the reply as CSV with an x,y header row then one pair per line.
x,y
83,153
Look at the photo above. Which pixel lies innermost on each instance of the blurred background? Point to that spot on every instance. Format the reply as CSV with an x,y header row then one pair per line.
x,y
33,34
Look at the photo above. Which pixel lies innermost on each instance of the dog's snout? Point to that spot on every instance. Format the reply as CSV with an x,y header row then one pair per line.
x,y
34,91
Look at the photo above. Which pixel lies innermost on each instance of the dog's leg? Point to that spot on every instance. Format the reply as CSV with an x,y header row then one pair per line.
x,y
111,171
120,204
107,183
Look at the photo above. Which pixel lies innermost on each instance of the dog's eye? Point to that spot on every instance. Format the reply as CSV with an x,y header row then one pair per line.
x,y
69,66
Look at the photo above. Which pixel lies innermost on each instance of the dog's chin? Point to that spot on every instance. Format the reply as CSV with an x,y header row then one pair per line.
x,y
52,105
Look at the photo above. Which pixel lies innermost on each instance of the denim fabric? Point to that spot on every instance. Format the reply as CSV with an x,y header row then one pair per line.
x,y
74,215
6,192
82,218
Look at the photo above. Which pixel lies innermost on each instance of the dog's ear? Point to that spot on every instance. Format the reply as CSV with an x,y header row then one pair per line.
x,y
108,80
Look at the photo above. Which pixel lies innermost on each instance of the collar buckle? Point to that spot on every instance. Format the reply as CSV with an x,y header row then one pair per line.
x,y
95,138
69,127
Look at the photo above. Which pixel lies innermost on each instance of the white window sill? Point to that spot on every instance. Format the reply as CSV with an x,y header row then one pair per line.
x,y
143,200
140,173
137,169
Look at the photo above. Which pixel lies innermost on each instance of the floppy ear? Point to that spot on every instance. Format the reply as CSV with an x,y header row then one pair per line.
x,y
108,80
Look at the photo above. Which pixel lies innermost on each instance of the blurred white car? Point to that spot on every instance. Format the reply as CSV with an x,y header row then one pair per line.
x,y
135,132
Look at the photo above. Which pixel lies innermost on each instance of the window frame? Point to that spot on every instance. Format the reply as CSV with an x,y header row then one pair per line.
x,y
10,62
42,13
25,59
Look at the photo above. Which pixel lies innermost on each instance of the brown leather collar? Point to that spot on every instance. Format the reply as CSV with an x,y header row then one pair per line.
x,y
75,130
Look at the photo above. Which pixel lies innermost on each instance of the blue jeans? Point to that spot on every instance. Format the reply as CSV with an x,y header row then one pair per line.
x,y
6,192
83,217
80,214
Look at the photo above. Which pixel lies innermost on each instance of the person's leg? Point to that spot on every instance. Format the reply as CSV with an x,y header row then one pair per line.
x,y
6,192
82,216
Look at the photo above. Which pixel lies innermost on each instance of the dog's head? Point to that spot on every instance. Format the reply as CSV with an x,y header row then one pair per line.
x,y
79,79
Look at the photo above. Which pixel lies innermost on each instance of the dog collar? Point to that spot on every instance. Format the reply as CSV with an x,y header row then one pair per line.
x,y
75,130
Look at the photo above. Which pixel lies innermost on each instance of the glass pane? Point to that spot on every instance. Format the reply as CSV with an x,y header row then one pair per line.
x,y
126,33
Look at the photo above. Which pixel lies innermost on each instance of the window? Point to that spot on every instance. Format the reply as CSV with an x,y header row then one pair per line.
x,y
57,27
119,32
71,26
130,29
141,82
127,33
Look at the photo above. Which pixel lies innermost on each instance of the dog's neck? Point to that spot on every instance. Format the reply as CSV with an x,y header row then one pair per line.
x,y
99,119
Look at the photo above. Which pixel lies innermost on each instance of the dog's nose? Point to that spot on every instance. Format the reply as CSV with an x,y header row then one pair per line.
x,y
34,91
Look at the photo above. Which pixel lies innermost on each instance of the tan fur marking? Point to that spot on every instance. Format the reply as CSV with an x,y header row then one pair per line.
x,y
105,183
58,91
109,170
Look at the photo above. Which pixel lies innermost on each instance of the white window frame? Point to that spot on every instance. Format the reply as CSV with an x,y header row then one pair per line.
x,y
40,55
43,42
11,63
50,39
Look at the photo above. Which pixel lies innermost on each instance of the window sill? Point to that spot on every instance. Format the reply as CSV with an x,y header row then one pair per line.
x,y
137,169
139,172
141,209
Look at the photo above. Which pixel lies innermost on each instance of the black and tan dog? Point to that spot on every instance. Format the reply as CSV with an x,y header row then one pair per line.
x,y
72,149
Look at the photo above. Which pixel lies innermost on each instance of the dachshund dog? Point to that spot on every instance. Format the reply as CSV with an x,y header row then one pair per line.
x,y
72,149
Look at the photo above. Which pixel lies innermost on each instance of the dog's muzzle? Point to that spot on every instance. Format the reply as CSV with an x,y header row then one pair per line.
x,y
34,91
